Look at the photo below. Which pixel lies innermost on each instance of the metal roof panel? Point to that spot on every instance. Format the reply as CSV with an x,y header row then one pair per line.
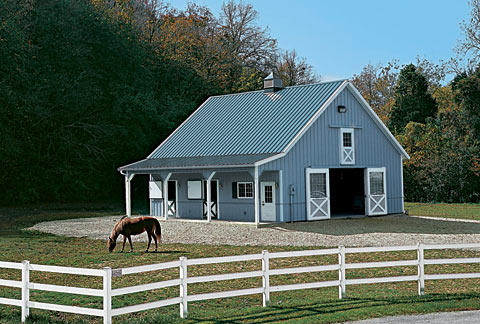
x,y
256,122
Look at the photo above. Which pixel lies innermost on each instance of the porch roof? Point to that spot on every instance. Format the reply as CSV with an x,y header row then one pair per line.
x,y
218,161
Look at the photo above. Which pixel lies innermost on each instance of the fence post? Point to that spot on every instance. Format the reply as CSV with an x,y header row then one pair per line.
x,y
421,270
107,295
183,287
341,272
25,289
266,278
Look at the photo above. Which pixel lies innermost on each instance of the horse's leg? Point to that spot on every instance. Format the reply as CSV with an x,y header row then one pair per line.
x,y
149,241
130,241
123,246
155,239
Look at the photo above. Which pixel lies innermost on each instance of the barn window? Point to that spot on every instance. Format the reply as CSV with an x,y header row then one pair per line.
x,y
245,189
347,146
376,183
194,189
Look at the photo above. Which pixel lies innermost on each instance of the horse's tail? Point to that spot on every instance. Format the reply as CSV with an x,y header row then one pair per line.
x,y
158,230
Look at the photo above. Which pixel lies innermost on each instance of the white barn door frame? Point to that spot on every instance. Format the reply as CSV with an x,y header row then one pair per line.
x,y
317,191
376,180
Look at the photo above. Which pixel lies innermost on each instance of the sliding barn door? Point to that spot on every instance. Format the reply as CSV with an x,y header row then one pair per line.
x,y
317,194
376,191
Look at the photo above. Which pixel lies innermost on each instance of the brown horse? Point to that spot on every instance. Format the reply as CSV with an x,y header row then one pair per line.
x,y
134,226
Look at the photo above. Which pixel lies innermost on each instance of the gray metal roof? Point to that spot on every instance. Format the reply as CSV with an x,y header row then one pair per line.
x,y
195,162
246,123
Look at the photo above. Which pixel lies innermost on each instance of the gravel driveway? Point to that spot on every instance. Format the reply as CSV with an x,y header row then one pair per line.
x,y
370,231
466,317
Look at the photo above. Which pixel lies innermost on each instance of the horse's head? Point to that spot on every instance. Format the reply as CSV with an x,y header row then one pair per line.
x,y
111,243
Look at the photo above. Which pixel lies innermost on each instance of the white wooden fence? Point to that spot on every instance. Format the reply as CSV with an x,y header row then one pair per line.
x,y
184,280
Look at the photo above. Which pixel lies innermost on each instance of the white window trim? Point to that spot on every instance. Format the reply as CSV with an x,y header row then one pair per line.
x,y
245,183
343,131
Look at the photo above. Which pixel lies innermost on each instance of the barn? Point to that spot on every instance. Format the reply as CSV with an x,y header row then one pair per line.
x,y
279,154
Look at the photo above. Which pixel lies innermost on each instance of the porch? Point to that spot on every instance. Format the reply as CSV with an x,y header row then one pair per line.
x,y
237,193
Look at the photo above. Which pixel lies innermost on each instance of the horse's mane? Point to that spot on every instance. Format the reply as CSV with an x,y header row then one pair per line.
x,y
115,228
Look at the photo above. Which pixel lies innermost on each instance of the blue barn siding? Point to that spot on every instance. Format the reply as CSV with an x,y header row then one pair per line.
x,y
229,209
319,147
156,207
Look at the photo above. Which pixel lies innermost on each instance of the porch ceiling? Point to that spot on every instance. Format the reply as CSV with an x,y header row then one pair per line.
x,y
222,161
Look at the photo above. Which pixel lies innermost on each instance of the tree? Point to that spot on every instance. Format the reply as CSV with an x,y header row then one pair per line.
x,y
471,29
444,158
377,86
294,70
466,90
413,102
244,44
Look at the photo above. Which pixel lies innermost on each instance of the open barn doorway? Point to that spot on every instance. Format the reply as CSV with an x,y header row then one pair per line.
x,y
347,192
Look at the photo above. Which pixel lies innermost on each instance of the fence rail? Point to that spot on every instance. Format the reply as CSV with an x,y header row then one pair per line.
x,y
184,280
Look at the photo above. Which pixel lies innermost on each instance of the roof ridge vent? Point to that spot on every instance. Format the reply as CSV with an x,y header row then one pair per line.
x,y
272,83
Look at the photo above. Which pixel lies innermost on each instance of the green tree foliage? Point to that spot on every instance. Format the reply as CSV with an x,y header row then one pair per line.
x,y
80,97
444,158
412,102
467,94
89,85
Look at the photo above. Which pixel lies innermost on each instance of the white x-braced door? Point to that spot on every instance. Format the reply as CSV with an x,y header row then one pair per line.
x,y
376,191
317,194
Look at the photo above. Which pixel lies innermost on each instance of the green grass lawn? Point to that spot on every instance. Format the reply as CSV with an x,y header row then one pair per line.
x,y
462,211
303,306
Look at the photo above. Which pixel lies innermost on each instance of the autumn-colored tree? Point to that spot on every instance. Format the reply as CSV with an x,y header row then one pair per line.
x,y
294,70
444,157
377,86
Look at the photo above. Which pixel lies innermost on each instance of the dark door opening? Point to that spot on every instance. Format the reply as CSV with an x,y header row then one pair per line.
x,y
172,198
347,192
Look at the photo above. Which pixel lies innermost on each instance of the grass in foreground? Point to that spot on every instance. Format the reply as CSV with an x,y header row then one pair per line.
x,y
304,306
461,211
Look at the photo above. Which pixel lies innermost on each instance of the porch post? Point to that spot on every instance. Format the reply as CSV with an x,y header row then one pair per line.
x,y
209,197
165,195
257,196
280,192
128,200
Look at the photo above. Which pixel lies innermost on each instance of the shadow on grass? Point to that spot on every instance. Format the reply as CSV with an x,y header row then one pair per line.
x,y
384,224
347,309
168,252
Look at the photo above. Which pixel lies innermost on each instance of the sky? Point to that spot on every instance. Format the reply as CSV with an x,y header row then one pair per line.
x,y
339,37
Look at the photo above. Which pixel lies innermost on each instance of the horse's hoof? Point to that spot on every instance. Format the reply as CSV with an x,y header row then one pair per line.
x,y
146,251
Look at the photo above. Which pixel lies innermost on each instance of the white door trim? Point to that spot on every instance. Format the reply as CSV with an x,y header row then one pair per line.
x,y
321,202
376,201
263,211
175,211
218,197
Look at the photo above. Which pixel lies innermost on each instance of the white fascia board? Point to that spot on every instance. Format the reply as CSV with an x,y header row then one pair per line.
x,y
269,159
377,120
176,129
119,169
